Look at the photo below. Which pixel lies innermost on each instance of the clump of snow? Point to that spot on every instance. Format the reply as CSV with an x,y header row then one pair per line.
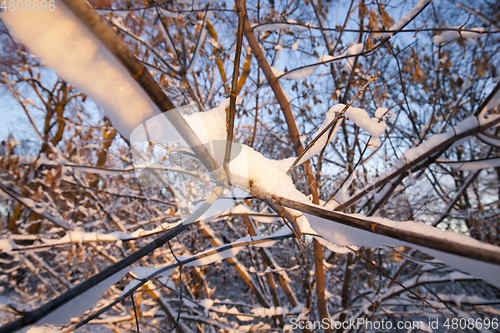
x,y
351,51
271,27
360,117
341,195
323,140
412,13
142,272
375,126
383,113
85,237
81,303
307,70
449,36
343,235
492,104
472,165
7,245
167,13
207,303
260,217
298,74
333,247
42,329
250,170
413,153
380,112
406,18
132,284
68,47
304,226
253,172
206,257
373,143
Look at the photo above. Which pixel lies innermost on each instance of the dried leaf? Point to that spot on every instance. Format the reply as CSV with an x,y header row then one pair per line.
x,y
369,43
373,20
386,20
363,11
480,71
48,178
417,74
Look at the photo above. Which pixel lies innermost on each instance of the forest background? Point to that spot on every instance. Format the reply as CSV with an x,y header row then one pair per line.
x,y
348,118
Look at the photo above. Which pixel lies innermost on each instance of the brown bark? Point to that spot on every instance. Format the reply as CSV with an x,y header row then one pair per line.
x,y
297,145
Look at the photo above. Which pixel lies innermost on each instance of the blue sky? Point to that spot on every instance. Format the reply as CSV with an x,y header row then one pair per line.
x,y
13,118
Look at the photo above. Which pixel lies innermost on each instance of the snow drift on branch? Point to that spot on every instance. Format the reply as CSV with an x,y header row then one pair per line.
x,y
342,235
68,47
78,305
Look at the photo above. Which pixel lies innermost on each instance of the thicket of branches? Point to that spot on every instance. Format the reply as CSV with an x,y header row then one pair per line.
x,y
295,60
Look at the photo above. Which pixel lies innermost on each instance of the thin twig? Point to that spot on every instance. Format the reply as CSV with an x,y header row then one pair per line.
x,y
234,88
135,312
333,122
424,301
180,290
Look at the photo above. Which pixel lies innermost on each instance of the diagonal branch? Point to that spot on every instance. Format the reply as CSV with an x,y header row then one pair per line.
x,y
234,88
426,158
138,71
488,254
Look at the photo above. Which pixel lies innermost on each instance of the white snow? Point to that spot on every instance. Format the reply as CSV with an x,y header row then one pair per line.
x,y
142,272
132,284
167,13
79,236
207,303
360,117
197,52
383,113
488,139
318,146
449,36
271,27
41,329
68,47
463,298
342,235
301,73
260,217
492,104
406,18
205,257
7,245
298,74
472,165
351,51
413,153
215,254
195,2
250,170
341,195
81,303
277,72
85,237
